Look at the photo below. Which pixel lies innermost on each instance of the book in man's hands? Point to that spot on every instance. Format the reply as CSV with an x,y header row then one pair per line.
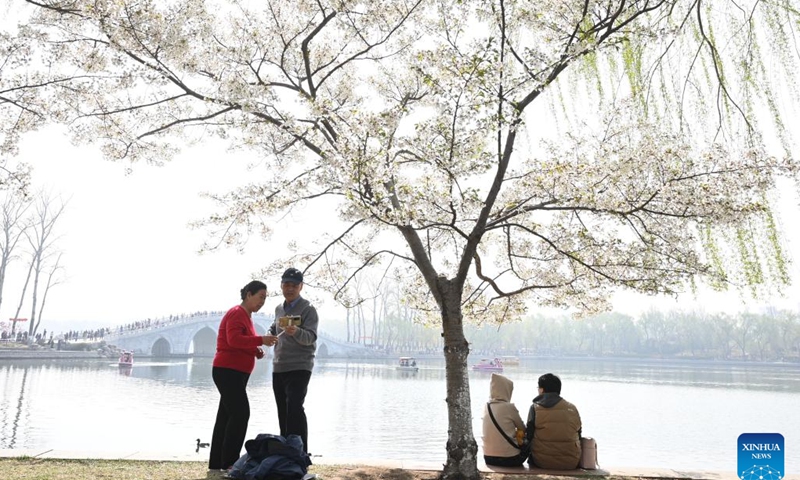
x,y
284,322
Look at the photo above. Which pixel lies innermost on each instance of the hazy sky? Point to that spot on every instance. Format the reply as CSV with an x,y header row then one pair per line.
x,y
130,255
128,251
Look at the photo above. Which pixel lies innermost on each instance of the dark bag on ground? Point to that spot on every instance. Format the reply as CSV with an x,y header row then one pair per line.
x,y
272,457
588,453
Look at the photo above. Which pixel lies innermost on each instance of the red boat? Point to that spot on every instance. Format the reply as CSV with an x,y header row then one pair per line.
x,y
126,359
489,365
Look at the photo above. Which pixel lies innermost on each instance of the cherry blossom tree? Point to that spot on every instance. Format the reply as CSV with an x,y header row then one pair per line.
x,y
19,112
492,154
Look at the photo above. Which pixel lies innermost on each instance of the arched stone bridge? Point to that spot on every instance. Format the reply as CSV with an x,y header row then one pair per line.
x,y
196,335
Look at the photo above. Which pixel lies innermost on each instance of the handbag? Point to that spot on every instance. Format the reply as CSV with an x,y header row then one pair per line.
x,y
588,453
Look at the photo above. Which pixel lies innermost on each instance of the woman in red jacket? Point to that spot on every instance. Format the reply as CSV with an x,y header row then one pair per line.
x,y
237,348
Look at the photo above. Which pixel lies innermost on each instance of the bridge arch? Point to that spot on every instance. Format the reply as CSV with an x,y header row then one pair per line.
x,y
161,348
204,342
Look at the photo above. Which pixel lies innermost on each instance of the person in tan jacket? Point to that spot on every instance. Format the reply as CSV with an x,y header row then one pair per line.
x,y
500,441
553,428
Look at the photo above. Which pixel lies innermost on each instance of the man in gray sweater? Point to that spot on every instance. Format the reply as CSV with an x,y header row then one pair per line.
x,y
294,335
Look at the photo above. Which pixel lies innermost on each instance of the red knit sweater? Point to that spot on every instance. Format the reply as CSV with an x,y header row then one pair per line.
x,y
237,341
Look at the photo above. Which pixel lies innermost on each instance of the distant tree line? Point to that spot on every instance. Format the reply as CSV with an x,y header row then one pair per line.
x,y
385,323
768,336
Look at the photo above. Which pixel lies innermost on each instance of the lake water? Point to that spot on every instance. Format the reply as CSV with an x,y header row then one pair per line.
x,y
677,415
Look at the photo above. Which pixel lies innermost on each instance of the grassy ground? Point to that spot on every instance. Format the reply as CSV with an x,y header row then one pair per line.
x,y
55,469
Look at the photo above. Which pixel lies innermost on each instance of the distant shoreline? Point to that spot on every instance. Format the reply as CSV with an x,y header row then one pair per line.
x,y
47,354
22,353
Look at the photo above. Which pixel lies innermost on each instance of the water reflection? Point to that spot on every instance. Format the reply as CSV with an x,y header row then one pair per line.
x,y
15,424
750,376
380,369
370,409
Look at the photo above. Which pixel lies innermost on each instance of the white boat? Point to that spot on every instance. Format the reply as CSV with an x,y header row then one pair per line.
x,y
509,361
407,364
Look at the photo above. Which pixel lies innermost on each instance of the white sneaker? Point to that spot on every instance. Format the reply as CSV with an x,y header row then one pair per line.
x,y
309,476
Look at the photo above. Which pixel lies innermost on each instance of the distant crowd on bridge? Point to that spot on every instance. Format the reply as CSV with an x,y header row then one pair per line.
x,y
150,324
96,335
42,338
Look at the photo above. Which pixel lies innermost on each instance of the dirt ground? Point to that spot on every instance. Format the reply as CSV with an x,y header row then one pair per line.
x,y
340,472
27,468
372,473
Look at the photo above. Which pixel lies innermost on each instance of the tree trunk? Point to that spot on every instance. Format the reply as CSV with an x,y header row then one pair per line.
x,y
373,333
357,324
34,299
462,450
362,325
22,296
47,287
348,323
